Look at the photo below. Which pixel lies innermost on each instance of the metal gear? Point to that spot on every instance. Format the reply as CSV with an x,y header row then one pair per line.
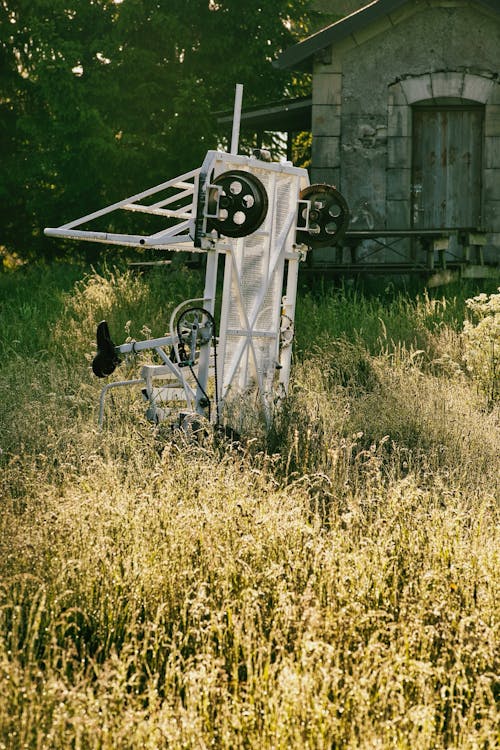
x,y
326,221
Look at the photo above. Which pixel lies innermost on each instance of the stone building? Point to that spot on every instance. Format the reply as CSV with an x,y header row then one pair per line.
x,y
406,123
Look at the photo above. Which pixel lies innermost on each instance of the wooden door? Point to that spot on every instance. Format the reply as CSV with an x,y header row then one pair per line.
x,y
446,167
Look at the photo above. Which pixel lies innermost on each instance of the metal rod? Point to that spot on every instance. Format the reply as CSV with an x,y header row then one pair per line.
x,y
155,240
107,387
205,351
176,182
236,118
138,346
179,213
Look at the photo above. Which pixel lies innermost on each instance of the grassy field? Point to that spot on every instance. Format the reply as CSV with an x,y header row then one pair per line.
x,y
334,585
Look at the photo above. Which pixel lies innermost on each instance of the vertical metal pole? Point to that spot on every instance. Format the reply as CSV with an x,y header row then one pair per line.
x,y
209,304
236,118
289,311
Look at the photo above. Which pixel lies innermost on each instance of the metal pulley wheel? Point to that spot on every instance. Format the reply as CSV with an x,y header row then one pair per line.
x,y
239,201
325,221
195,327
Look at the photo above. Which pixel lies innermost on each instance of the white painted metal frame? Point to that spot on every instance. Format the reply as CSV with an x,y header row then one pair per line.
x,y
183,232
256,320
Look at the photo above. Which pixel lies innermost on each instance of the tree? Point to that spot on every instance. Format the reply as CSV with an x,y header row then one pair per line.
x,y
56,137
101,99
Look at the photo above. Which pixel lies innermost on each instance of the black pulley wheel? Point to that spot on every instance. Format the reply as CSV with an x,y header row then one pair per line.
x,y
328,216
195,326
242,204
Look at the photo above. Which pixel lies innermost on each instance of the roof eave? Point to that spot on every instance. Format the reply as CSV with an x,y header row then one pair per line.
x,y
301,56
286,115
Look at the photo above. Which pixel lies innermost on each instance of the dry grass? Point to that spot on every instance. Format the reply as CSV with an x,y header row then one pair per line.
x,y
335,587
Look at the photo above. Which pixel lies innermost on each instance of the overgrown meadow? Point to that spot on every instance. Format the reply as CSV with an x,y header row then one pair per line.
x,y
334,584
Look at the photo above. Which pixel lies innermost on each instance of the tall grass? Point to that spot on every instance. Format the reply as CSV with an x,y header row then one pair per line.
x,y
335,585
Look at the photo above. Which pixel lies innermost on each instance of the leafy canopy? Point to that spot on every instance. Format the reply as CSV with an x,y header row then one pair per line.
x,y
102,98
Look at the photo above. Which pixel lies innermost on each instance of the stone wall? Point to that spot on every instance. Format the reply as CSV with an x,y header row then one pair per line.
x,y
363,93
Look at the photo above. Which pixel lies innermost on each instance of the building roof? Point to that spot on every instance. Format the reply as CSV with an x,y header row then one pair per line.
x,y
300,56
287,115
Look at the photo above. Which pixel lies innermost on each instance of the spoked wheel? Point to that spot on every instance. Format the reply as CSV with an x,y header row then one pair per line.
x,y
194,327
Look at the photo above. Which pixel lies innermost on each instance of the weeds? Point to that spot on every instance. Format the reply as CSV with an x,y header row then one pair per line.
x,y
334,585
482,343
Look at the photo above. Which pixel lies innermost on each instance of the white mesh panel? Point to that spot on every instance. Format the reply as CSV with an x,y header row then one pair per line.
x,y
253,291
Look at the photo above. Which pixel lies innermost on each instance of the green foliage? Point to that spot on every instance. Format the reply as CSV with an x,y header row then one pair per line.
x,y
335,588
53,134
482,343
378,322
100,100
301,150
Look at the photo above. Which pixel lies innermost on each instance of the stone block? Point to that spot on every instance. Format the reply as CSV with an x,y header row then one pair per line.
x,y
327,176
491,216
417,89
399,121
492,152
492,120
327,89
354,105
494,97
447,84
325,120
330,60
326,152
398,184
477,88
491,184
398,152
349,127
397,96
